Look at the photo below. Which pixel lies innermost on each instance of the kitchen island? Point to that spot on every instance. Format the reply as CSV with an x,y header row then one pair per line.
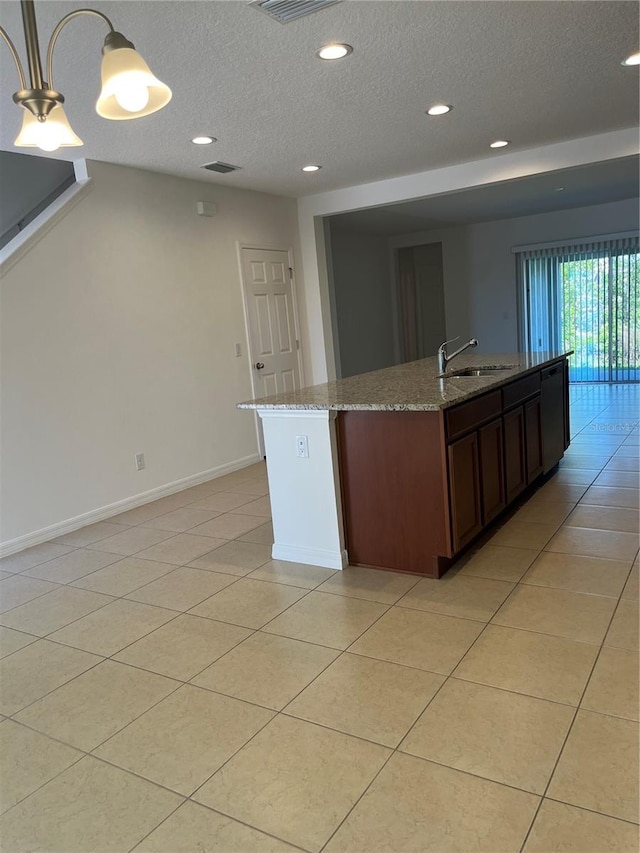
x,y
401,469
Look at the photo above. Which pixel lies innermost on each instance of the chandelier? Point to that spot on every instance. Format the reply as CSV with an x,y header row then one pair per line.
x,y
129,89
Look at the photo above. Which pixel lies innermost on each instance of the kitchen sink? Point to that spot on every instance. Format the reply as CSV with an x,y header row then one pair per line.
x,y
479,371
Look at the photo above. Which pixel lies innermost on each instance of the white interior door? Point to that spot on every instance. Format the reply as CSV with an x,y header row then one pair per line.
x,y
271,320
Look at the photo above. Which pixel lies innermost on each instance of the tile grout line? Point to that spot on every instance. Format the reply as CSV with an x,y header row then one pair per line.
x,y
111,657
55,776
185,798
28,601
278,713
221,814
577,708
181,684
571,725
341,652
122,598
45,636
254,631
593,811
48,559
121,558
164,819
396,750
216,621
172,534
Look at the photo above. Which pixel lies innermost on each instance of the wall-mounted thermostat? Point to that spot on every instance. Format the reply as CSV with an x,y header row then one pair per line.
x,y
206,208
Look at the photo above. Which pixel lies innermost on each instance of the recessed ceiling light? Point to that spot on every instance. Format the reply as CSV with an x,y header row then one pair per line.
x,y
439,109
203,140
634,59
499,143
311,168
334,51
559,189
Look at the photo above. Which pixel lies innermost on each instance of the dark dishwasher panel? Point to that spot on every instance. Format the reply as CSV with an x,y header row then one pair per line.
x,y
552,415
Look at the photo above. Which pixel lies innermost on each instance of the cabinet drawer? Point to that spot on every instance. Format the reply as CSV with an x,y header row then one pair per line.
x,y
520,390
466,416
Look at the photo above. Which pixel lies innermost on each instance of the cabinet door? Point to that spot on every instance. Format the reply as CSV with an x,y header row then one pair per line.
x,y
533,435
515,463
393,478
492,470
464,489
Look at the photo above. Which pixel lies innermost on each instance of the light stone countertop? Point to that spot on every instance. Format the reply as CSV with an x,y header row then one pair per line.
x,y
411,387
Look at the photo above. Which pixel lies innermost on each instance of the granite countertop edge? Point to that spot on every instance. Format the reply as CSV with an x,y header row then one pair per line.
x,y
411,387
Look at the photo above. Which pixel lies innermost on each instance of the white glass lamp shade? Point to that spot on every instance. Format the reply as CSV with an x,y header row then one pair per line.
x,y
129,89
49,135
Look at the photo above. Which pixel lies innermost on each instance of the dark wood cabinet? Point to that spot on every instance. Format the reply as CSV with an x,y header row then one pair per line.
x,y
418,487
515,461
492,484
533,438
464,489
394,490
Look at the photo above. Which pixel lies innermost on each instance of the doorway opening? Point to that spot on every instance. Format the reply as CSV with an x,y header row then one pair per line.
x,y
271,316
420,301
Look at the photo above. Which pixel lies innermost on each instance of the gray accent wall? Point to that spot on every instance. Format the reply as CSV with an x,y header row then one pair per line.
x,y
364,309
26,183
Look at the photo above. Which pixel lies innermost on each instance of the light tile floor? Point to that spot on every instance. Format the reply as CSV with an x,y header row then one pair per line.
x,y
168,688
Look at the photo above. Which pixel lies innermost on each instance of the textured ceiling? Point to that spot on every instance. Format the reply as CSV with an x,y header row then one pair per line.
x,y
597,183
531,72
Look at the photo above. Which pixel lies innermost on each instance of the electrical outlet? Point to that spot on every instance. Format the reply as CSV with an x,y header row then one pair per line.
x,y
238,350
139,458
302,446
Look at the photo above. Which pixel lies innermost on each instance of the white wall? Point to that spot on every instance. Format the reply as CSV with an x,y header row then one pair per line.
x,y
363,301
118,332
480,268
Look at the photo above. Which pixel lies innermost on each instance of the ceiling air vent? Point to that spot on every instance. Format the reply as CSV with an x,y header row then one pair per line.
x,y
285,11
222,168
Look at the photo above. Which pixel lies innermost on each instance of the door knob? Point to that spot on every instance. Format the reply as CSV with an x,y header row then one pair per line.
x,y
259,365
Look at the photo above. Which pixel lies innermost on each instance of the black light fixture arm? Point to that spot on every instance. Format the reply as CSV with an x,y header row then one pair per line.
x,y
16,58
60,26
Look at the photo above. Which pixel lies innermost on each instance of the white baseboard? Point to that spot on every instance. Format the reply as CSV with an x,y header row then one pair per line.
x,y
12,546
311,556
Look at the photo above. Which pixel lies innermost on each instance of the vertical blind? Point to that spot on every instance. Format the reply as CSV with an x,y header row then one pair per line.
x,y
585,298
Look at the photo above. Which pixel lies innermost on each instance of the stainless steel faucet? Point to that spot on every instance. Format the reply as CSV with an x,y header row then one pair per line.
x,y
444,358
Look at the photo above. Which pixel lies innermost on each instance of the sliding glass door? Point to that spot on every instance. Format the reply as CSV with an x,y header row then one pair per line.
x,y
585,298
